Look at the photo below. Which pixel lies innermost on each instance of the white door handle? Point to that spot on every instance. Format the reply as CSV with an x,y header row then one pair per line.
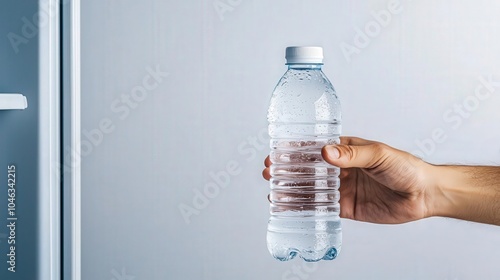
x,y
13,101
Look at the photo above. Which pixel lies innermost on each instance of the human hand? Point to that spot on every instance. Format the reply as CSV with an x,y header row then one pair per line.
x,y
378,183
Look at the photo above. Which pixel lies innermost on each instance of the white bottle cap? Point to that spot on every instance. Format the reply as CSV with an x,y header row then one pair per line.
x,y
304,55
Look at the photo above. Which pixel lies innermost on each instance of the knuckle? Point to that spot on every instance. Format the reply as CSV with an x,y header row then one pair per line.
x,y
380,149
350,151
379,154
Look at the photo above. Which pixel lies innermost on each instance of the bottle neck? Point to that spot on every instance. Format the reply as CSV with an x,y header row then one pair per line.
x,y
302,66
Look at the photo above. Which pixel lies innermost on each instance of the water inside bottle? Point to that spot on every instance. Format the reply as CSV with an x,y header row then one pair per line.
x,y
304,201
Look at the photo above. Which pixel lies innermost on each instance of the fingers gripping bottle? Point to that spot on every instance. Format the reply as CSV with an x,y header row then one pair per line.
x,y
304,115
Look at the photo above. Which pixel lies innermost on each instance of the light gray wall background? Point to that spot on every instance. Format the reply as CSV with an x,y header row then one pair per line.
x,y
224,58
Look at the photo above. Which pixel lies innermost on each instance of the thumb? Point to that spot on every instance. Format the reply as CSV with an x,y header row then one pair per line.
x,y
346,156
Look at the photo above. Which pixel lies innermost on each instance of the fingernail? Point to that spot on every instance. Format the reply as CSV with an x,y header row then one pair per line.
x,y
333,152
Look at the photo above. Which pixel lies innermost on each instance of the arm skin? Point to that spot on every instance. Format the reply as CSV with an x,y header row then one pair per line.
x,y
381,184
467,192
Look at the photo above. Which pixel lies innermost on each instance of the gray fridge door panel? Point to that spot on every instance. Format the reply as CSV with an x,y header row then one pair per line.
x,y
30,142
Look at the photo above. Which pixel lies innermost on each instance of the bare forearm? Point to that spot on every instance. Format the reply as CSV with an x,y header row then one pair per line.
x,y
467,192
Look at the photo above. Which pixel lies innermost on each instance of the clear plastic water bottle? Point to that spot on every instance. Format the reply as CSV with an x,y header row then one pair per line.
x,y
304,116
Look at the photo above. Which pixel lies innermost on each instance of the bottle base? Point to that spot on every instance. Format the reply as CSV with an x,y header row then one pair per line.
x,y
310,238
330,254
